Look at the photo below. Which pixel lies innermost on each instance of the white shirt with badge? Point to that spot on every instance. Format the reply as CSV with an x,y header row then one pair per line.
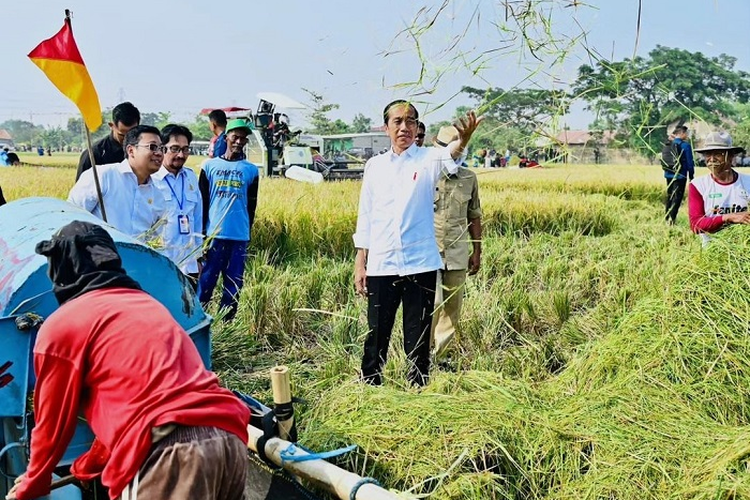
x,y
395,222
131,208
184,217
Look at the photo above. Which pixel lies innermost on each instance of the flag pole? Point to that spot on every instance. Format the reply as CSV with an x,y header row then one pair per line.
x,y
89,145
96,174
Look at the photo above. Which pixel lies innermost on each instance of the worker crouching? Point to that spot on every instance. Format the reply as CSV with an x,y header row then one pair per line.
x,y
164,427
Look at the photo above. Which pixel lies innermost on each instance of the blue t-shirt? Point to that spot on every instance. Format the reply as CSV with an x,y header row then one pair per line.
x,y
228,183
220,145
4,162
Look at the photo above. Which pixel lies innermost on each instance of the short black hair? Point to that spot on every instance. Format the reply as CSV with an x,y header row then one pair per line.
x,y
174,130
219,117
127,114
134,134
421,126
680,129
398,102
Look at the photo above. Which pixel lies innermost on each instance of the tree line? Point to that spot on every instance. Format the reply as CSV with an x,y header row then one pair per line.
x,y
636,98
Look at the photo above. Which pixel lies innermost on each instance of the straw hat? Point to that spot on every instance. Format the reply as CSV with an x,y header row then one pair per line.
x,y
719,141
445,136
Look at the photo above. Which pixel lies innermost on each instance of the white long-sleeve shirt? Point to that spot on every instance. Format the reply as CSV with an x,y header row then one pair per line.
x,y
395,222
182,198
131,208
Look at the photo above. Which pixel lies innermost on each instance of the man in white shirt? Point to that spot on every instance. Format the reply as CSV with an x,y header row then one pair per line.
x,y
132,203
397,254
184,206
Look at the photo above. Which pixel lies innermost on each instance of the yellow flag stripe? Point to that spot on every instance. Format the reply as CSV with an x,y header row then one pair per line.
x,y
73,80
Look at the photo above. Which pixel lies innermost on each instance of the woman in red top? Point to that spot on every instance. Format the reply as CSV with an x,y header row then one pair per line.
x,y
164,427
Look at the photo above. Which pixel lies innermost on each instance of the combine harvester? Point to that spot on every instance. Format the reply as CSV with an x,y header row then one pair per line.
x,y
276,149
26,299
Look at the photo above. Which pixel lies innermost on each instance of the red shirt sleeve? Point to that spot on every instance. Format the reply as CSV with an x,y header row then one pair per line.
x,y
56,400
699,221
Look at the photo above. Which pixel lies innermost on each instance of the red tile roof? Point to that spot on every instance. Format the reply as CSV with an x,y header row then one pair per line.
x,y
581,137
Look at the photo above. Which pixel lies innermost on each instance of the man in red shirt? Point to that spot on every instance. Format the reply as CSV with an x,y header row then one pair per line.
x,y
164,427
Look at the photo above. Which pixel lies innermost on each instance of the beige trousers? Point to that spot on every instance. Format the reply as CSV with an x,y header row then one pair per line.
x,y
449,295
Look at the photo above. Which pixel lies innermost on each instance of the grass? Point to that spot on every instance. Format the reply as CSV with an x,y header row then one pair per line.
x,y
70,160
602,353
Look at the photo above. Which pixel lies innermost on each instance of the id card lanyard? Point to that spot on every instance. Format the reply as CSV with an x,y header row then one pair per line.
x,y
182,219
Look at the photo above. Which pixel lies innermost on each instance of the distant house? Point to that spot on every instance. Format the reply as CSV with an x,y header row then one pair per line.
x,y
6,141
584,146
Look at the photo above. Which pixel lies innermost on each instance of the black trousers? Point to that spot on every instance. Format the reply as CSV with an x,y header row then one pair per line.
x,y
675,193
384,294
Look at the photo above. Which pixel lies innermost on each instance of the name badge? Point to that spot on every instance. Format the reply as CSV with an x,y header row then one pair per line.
x,y
184,224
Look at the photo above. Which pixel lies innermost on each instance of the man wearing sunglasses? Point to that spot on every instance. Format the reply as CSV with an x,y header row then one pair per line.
x,y
132,203
421,133
229,186
184,206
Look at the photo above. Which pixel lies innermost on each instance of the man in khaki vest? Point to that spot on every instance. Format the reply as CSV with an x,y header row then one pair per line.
x,y
458,223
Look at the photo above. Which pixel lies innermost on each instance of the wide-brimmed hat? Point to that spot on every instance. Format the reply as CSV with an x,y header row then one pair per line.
x,y
719,141
237,123
445,136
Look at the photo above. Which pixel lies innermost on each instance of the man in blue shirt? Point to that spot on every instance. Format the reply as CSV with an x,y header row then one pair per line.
x,y
217,122
229,186
4,161
677,180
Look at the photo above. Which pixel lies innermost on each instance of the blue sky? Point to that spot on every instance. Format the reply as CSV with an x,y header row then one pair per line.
x,y
181,56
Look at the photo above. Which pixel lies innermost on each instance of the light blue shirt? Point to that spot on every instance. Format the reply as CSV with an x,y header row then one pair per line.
x,y
132,208
229,202
395,222
4,162
182,198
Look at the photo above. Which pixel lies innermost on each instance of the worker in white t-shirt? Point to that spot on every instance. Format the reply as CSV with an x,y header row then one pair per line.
x,y
720,198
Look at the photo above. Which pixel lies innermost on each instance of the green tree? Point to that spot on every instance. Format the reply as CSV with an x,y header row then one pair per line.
x,y
319,120
149,118
644,95
340,127
199,128
361,124
741,130
22,132
75,126
52,138
163,118
75,134
524,109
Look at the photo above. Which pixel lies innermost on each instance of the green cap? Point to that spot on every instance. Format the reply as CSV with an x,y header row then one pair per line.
x,y
238,123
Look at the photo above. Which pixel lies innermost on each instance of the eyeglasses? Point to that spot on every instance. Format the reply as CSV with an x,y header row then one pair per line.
x,y
177,149
154,148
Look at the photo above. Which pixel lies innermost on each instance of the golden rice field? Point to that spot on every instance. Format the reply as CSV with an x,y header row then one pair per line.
x,y
602,354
